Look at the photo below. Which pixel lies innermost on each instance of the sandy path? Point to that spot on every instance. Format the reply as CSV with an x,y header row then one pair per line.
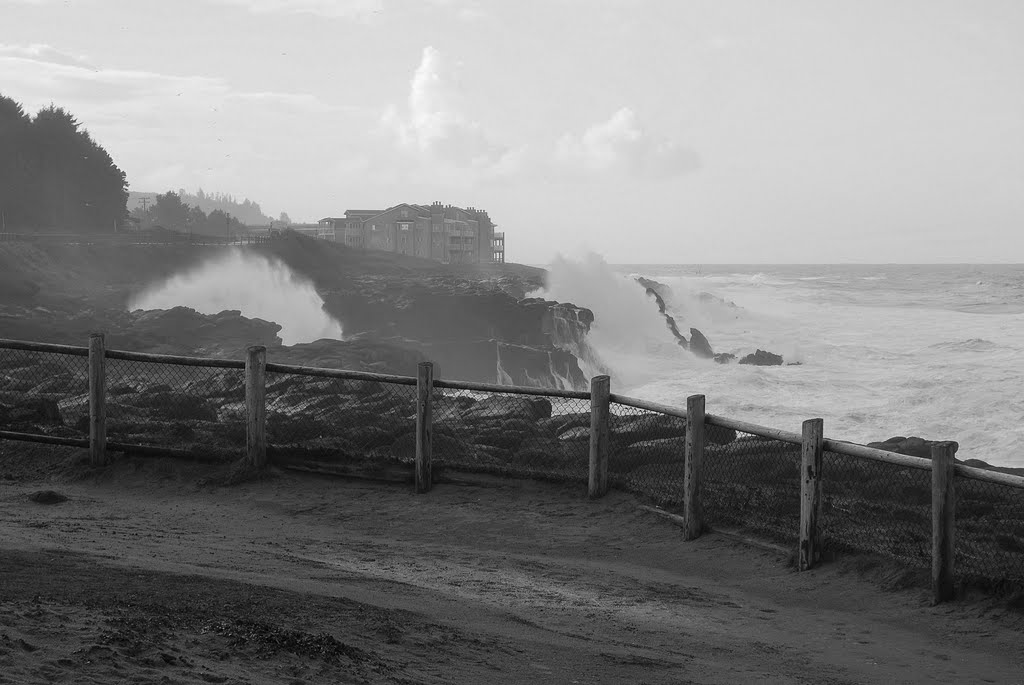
x,y
516,582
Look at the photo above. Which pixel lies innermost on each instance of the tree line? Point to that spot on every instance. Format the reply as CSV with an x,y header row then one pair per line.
x,y
54,176
170,211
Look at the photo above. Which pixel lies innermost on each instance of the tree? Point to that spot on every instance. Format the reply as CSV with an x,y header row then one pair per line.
x,y
170,212
54,175
285,219
14,170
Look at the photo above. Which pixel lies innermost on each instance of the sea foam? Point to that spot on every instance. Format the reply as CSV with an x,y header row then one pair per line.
x,y
259,287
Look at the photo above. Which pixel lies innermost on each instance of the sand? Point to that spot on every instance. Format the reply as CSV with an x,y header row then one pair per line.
x,y
150,572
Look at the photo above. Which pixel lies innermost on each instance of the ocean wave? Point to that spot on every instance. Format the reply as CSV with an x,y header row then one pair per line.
x,y
969,345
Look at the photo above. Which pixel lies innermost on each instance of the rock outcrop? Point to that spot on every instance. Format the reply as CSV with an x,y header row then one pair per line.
x,y
762,358
698,342
913,446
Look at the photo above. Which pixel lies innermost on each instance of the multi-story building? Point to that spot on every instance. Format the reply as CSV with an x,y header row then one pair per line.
x,y
442,232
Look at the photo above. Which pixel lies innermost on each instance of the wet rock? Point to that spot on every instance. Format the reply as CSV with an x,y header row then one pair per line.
x,y
912,446
762,358
699,345
508,407
47,497
725,357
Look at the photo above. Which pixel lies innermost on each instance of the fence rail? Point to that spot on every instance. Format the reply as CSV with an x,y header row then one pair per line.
x,y
820,496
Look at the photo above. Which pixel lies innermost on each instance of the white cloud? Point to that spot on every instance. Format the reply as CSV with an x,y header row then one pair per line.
x,y
40,52
170,131
622,145
435,126
337,9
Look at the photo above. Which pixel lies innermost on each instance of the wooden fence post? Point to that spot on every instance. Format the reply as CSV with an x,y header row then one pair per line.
x,y
693,512
943,478
810,493
424,426
97,400
600,434
256,406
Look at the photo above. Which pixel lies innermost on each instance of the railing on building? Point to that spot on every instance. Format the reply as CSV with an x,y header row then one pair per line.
x,y
819,497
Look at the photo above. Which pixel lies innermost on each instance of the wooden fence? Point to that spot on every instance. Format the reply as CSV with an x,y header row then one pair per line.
x,y
944,471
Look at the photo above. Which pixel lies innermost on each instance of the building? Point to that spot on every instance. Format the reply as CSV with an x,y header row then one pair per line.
x,y
441,232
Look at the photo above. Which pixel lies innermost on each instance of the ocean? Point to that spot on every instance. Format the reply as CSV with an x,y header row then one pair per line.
x,y
935,351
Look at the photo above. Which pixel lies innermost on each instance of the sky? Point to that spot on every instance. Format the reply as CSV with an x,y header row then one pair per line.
x,y
648,131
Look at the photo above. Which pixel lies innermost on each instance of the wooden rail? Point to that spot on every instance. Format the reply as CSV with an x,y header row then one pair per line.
x,y
942,466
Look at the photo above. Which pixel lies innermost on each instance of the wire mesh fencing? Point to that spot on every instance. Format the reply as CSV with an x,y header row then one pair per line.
x,y
199,409
751,483
355,423
876,507
44,393
517,435
647,454
989,543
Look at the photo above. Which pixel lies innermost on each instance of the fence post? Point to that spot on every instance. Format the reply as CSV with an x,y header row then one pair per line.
x,y
600,434
693,512
943,478
424,426
97,400
256,406
810,493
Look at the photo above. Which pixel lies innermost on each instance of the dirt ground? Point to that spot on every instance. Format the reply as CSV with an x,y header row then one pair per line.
x,y
151,572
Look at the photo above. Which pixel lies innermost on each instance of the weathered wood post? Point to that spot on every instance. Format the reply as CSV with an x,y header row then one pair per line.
x,y
600,434
693,512
943,478
256,406
424,426
97,400
810,493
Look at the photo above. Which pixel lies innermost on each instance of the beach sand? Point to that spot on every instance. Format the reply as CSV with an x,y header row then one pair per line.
x,y
150,571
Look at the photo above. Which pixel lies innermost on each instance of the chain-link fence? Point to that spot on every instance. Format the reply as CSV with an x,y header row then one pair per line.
x,y
989,543
876,507
751,483
198,409
351,423
647,454
44,393
517,435
363,423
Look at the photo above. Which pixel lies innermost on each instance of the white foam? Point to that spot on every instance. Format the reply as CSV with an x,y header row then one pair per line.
x,y
260,288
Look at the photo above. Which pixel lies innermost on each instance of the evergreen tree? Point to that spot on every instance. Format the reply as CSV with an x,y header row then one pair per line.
x,y
53,175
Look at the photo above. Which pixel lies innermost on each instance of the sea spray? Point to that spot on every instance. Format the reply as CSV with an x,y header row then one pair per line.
x,y
259,287
628,334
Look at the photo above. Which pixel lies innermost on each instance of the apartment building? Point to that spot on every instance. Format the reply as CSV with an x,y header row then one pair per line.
x,y
442,232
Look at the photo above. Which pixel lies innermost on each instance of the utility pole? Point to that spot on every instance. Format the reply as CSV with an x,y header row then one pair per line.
x,y
145,203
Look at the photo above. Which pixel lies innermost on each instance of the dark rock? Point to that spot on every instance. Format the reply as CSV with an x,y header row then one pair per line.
x,y
174,405
563,422
647,452
508,407
762,358
31,410
629,429
657,290
725,357
912,446
699,345
581,433
47,497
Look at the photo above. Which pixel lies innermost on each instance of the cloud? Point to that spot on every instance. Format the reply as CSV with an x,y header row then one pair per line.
x,y
435,126
40,52
335,9
622,145
172,131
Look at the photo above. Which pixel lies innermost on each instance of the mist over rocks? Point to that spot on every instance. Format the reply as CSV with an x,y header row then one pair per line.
x,y
698,343
474,321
